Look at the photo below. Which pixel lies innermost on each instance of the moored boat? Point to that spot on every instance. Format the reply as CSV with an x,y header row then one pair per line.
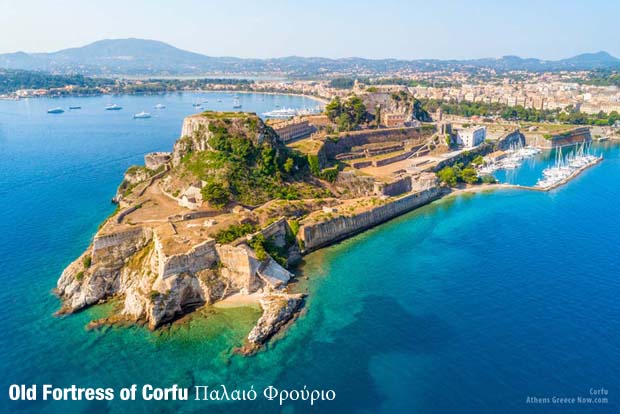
x,y
55,111
141,115
113,107
281,113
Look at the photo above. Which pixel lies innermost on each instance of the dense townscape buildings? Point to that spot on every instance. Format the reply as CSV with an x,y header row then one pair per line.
x,y
543,91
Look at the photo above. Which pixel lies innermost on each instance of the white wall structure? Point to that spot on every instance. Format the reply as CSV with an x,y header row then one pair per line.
x,y
471,137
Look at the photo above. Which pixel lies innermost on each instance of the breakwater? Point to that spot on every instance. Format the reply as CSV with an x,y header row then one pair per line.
x,y
568,178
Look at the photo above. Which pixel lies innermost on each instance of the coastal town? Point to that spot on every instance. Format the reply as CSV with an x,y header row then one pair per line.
x,y
542,91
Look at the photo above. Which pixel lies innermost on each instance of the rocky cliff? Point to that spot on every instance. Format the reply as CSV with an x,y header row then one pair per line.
x,y
160,260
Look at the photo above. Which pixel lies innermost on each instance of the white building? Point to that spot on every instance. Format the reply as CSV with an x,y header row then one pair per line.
x,y
471,137
191,197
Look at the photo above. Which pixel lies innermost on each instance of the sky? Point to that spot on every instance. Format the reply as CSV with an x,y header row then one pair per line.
x,y
413,29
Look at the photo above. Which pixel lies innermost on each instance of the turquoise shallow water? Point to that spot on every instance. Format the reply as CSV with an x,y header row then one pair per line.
x,y
469,304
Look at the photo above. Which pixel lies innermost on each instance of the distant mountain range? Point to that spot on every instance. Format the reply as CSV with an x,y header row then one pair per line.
x,y
151,57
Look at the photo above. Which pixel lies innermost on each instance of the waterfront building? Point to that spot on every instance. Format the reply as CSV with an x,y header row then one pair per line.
x,y
293,129
471,137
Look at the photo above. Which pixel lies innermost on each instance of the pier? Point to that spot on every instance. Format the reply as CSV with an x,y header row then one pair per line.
x,y
567,178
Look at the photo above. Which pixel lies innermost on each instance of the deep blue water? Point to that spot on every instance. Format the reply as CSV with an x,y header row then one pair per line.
x,y
467,305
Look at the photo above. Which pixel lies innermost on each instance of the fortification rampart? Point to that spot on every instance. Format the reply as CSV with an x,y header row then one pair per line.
x,y
314,236
348,140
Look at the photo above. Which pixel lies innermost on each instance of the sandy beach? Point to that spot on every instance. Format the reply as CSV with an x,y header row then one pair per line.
x,y
238,300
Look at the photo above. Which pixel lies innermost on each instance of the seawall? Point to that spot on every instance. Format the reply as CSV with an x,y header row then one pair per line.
x,y
315,236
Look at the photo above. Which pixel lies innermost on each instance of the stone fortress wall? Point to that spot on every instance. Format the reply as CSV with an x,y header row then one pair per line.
x,y
513,138
345,142
315,236
572,137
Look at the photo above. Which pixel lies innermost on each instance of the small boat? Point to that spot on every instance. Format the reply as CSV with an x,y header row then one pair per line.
x,y
219,100
196,104
141,115
236,103
160,106
113,107
75,107
55,111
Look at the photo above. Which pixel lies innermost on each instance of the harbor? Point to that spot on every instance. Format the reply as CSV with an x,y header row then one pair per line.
x,y
508,160
567,167
550,185
532,168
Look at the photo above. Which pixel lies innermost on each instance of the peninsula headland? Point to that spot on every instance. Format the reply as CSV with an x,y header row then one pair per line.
x,y
231,210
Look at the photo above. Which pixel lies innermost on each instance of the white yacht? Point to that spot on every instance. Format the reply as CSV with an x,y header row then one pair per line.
x,y
565,167
113,107
141,115
281,113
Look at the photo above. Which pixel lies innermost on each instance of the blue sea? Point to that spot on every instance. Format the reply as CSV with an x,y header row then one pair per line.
x,y
470,304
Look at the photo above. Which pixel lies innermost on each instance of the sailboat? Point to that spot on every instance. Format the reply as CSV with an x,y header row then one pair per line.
x,y
236,103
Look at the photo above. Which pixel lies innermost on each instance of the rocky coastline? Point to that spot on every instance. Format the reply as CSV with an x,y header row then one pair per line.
x,y
161,255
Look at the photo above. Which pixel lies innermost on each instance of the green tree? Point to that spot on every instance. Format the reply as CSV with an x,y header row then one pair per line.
x,y
447,175
288,165
268,166
215,194
344,122
348,114
314,164
469,175
333,109
478,160
342,83
356,109
489,179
